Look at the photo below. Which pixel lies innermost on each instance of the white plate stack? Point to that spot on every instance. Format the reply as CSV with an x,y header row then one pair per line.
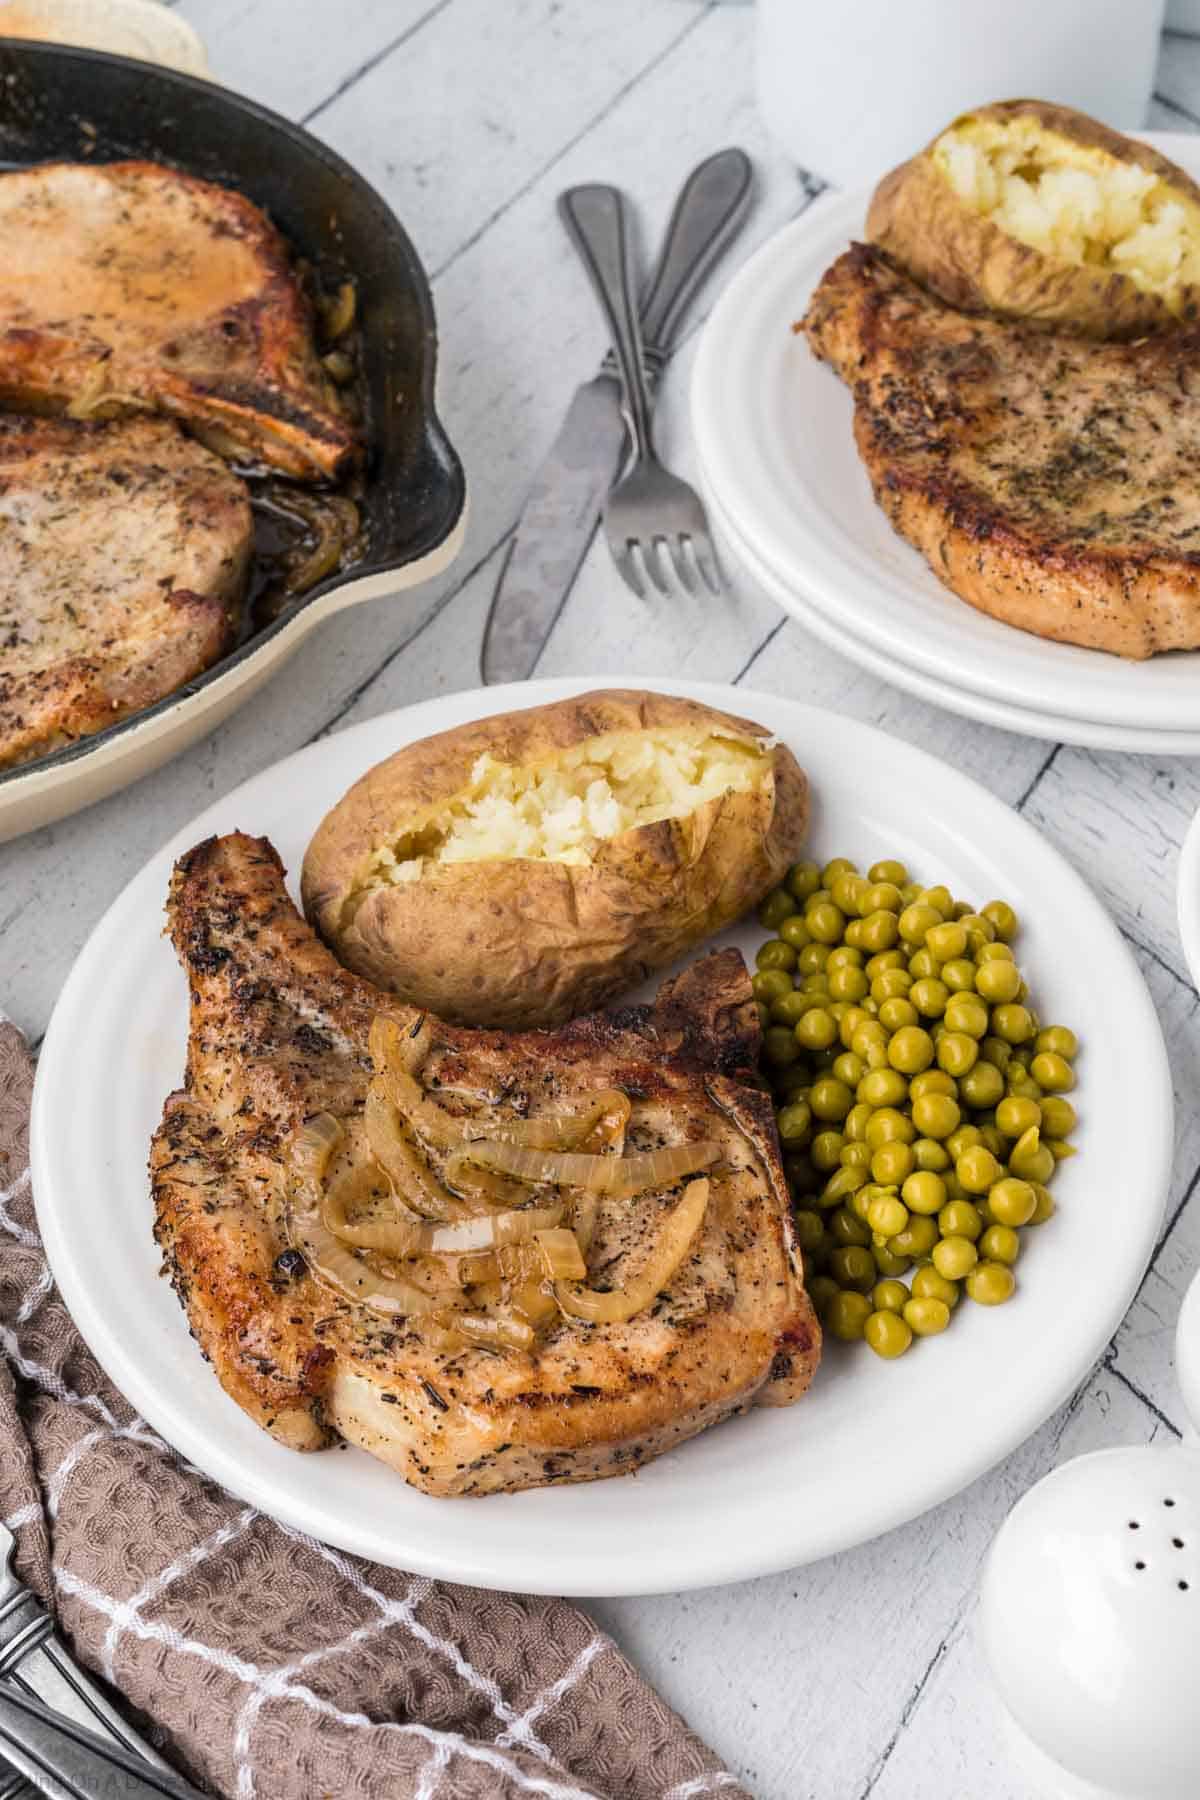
x,y
773,430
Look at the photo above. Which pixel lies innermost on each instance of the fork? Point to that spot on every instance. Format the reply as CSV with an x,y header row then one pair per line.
x,y
652,519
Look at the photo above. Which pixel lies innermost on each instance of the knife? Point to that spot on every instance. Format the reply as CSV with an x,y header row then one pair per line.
x,y
563,508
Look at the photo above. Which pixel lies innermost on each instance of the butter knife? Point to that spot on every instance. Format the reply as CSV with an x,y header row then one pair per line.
x,y
35,1661
563,508
63,1762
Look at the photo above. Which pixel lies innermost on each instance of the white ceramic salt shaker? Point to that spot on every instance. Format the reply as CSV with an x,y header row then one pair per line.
x,y
1090,1616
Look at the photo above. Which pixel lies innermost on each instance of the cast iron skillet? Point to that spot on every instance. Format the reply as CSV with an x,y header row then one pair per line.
x,y
79,105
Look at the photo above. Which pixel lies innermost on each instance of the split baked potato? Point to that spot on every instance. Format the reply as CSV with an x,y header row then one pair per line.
x,y
1037,212
522,869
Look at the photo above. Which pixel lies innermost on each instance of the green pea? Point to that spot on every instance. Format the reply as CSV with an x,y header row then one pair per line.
x,y
848,983
924,1192
1000,1243
803,879
771,984
855,1156
888,1334
888,870
932,1081
953,1257
845,1228
935,1115
892,1163
777,906
883,1087
816,1029
1059,1040
923,966
841,1184
1013,1023
998,982
846,1315
910,1050
822,1290
816,983
881,896
1059,1117
847,890
794,932
946,942
957,1054
775,954
886,1263
887,1216
982,1086
927,1284
896,1013
1003,918
883,960
1030,1159
810,1228
958,1218
795,1122
830,1098
929,996
854,1266
926,1315
1044,1206
995,1140
967,1013
917,1239
837,865
887,1125
890,984
917,921
1012,1201
995,1051
855,1123
826,1150
790,1008
965,1138
980,931
812,959
977,1169
1053,1073
959,976
889,1296
869,1036
931,1156
991,1283
779,1045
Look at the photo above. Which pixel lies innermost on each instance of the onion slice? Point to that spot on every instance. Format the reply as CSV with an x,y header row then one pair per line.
x,y
622,1304
487,1231
622,1176
404,1164
562,1256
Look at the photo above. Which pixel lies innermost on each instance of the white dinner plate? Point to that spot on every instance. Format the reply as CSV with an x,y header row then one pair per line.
x,y
872,1445
928,687
773,431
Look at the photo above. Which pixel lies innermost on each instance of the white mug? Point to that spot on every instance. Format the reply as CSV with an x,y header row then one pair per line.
x,y
850,88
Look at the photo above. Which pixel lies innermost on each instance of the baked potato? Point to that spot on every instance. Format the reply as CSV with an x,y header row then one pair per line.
x,y
522,869
1037,212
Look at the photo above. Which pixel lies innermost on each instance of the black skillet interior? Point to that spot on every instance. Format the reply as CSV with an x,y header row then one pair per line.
x,y
79,105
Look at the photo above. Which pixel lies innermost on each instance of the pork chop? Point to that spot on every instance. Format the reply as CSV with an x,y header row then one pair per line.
x,y
124,549
279,1032
129,286
1051,482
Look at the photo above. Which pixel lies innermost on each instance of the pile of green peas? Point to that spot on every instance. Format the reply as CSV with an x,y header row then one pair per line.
x,y
921,1103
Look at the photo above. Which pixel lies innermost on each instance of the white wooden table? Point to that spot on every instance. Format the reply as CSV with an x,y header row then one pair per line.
x,y
859,1676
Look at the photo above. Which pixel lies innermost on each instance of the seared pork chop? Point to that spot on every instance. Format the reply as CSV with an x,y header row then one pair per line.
x,y
1049,481
123,556
279,1032
128,286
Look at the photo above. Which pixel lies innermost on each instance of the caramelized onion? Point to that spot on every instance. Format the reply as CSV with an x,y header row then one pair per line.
x,y
668,1254
497,1332
336,1266
622,1176
403,1163
562,1255
532,1301
487,1231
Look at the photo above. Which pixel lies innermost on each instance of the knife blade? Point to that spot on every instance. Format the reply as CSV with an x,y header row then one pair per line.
x,y
563,507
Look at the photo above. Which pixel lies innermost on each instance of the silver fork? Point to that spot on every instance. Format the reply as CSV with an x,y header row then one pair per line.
x,y
653,521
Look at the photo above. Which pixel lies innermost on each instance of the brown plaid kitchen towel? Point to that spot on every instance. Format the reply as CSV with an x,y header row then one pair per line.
x,y
269,1666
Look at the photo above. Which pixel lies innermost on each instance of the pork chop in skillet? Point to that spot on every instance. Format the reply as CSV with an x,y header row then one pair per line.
x,y
129,286
123,556
281,1049
1050,481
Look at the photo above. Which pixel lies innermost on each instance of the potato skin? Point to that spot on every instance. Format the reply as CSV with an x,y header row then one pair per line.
x,y
916,217
520,943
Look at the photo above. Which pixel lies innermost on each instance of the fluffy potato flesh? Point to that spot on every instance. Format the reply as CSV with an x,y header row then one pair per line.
x,y
1075,201
562,808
